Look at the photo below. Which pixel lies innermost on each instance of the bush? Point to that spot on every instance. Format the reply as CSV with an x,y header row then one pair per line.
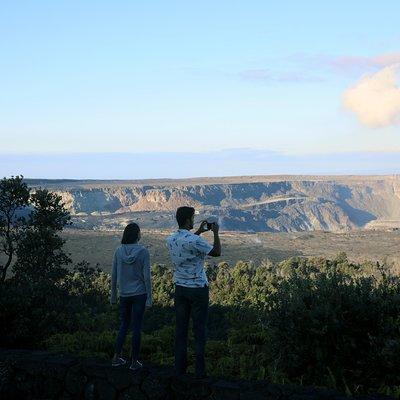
x,y
331,328
156,347
31,312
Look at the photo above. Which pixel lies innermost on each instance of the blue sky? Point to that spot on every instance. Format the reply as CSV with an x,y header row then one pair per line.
x,y
178,76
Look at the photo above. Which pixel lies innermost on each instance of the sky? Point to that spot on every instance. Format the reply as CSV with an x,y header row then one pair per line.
x,y
298,79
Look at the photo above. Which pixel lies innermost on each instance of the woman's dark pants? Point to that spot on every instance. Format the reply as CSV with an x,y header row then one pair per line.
x,y
190,301
131,309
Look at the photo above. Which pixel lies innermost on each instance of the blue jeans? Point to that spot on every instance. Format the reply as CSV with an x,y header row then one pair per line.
x,y
131,309
190,302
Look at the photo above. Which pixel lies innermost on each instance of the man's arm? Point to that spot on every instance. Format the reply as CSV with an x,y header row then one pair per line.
x,y
216,250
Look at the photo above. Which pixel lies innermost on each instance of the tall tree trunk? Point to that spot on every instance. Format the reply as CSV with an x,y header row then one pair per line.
x,y
5,267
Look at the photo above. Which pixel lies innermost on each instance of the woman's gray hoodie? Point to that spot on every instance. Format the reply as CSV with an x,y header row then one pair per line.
x,y
131,272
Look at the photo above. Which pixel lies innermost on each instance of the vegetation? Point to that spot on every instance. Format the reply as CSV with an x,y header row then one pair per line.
x,y
310,321
14,196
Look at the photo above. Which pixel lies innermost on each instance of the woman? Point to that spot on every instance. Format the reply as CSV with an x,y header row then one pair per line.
x,y
131,273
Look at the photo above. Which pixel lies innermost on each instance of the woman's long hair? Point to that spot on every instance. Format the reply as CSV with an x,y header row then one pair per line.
x,y
131,234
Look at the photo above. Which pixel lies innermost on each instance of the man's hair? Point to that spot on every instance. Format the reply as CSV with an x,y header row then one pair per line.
x,y
131,234
183,214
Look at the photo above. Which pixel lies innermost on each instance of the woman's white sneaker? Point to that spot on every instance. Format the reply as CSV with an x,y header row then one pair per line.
x,y
136,365
118,362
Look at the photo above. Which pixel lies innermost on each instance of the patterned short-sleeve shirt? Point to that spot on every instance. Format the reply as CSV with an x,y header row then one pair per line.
x,y
188,252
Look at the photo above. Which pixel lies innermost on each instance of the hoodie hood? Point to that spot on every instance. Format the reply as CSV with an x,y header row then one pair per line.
x,y
129,252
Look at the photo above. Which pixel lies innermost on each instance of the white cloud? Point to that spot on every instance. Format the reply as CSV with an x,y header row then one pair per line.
x,y
375,99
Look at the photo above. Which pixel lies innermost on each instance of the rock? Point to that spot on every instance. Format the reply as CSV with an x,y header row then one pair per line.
x,y
66,396
188,387
13,353
49,387
23,382
225,390
95,368
104,391
75,380
32,362
42,376
61,359
157,385
312,203
13,393
133,393
89,391
56,367
6,373
257,396
122,378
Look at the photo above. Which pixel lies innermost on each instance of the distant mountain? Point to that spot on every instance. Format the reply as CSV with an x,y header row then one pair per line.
x,y
255,203
185,164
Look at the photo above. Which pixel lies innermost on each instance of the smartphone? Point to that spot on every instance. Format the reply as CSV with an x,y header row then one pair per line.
x,y
210,225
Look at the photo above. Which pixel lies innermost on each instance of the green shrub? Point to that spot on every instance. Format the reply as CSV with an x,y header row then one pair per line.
x,y
329,327
307,321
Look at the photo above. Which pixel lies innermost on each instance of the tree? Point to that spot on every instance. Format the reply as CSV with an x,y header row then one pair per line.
x,y
40,254
14,197
35,302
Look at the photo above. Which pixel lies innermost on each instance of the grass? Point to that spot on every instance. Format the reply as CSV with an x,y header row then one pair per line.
x,y
99,246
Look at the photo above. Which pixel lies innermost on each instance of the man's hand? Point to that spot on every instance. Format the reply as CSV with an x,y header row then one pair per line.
x,y
215,227
202,228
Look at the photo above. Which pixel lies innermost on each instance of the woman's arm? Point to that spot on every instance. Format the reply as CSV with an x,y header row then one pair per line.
x,y
113,297
147,278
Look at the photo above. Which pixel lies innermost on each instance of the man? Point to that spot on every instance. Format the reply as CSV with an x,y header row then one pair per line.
x,y
188,251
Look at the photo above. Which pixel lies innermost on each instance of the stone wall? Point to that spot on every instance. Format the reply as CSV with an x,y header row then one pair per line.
x,y
41,375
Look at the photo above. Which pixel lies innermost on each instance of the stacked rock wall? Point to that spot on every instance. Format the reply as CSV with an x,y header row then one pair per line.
x,y
42,375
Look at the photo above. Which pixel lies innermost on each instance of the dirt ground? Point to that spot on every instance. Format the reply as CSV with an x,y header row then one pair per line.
x,y
98,246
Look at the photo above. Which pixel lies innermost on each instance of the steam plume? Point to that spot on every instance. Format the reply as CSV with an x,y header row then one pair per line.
x,y
375,99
